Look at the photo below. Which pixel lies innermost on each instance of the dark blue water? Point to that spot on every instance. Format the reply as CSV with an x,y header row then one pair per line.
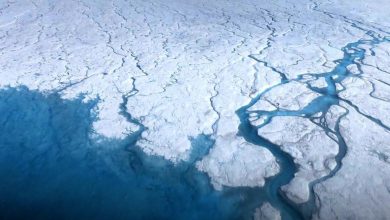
x,y
271,190
51,169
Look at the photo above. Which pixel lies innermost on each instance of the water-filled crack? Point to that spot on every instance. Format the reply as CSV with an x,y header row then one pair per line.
x,y
354,54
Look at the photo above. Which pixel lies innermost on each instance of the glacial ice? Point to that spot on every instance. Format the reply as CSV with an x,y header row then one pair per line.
x,y
234,162
180,69
290,96
360,189
310,147
266,211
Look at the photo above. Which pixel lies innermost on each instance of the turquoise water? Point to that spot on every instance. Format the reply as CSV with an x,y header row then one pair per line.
x,y
51,169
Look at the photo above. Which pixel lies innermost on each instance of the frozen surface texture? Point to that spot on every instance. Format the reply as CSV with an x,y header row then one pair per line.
x,y
293,94
234,162
266,212
311,148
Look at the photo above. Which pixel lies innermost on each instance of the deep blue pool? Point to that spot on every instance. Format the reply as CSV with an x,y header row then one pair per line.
x,y
50,168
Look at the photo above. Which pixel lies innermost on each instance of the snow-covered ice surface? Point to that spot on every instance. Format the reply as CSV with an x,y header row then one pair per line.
x,y
283,102
266,211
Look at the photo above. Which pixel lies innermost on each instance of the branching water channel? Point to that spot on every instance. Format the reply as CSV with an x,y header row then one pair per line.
x,y
353,54
51,168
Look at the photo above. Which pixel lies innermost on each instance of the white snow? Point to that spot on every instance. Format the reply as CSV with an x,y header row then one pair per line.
x,y
266,212
186,67
310,147
234,162
358,92
360,190
290,96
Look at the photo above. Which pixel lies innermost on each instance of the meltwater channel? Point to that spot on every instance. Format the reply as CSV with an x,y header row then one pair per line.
x,y
50,168
354,53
